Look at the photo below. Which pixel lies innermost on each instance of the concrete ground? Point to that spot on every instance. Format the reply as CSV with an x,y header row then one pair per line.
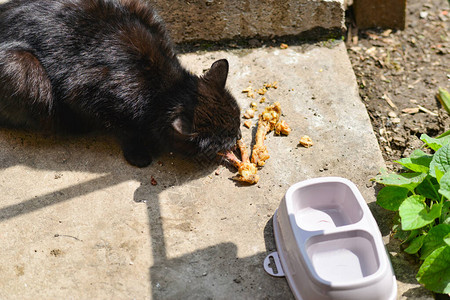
x,y
78,222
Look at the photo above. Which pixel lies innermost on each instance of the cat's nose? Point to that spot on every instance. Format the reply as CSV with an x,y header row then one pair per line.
x,y
239,136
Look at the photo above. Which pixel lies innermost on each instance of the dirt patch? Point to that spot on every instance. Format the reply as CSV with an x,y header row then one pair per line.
x,y
56,252
399,73
20,270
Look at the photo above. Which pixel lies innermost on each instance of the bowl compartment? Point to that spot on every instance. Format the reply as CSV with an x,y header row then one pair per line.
x,y
325,205
343,257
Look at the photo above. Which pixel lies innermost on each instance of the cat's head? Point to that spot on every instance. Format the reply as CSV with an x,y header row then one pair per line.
x,y
214,125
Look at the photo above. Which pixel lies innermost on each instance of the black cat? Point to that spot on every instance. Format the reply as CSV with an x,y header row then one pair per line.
x,y
78,65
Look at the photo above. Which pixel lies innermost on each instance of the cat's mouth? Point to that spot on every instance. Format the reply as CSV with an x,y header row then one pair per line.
x,y
209,148
205,148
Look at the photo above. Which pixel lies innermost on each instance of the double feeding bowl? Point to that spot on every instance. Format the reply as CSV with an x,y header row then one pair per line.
x,y
329,245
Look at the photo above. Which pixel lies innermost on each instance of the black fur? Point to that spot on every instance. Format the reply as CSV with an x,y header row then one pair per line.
x,y
78,65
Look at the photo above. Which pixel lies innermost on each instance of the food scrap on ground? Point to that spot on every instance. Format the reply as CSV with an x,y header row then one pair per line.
x,y
246,90
268,120
246,170
262,91
249,92
273,85
249,114
284,46
282,128
266,123
248,123
306,141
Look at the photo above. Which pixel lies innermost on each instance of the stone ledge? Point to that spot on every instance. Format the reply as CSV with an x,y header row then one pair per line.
x,y
215,20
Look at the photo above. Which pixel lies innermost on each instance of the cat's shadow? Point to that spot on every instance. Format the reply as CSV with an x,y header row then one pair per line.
x,y
91,154
94,156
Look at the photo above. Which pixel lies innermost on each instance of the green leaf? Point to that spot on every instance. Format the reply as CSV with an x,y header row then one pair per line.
x,y
415,245
428,190
433,143
415,214
439,174
419,161
390,197
441,160
444,98
444,134
401,234
445,213
447,239
445,185
406,180
434,239
412,235
434,273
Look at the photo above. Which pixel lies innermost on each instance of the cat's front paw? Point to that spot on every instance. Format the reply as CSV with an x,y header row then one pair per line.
x,y
138,158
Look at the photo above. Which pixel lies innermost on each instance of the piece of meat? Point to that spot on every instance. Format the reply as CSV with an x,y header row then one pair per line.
x,y
259,152
306,141
243,149
268,120
282,128
271,115
249,114
247,173
246,170
266,123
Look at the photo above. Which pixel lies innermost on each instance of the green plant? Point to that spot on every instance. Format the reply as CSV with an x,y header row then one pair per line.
x,y
444,97
421,198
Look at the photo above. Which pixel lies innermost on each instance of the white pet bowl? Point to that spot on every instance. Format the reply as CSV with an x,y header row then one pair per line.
x,y
329,245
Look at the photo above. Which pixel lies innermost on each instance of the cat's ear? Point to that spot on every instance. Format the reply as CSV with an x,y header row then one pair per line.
x,y
218,72
181,126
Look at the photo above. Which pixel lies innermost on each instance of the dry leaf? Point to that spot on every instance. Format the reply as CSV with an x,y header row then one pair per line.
x,y
411,110
427,110
386,33
389,101
371,51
